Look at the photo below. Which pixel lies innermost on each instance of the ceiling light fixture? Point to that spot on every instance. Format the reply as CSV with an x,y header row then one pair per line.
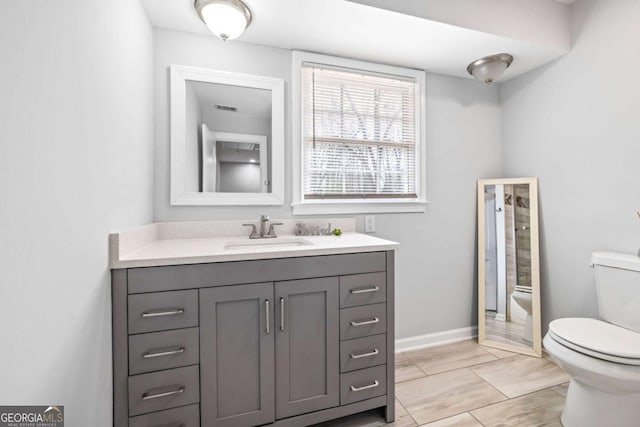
x,y
490,68
226,19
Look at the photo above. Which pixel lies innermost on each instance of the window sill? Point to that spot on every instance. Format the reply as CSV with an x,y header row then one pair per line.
x,y
358,207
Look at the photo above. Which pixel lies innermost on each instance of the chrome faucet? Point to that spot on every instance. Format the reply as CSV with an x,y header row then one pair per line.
x,y
264,220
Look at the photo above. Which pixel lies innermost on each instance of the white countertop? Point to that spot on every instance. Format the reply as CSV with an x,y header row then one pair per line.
x,y
176,243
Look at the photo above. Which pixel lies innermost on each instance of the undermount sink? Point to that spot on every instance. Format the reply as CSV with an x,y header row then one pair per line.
x,y
266,243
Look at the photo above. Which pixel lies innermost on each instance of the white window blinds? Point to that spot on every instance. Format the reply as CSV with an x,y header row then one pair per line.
x,y
359,134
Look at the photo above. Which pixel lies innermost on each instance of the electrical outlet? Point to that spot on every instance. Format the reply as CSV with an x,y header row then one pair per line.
x,y
370,224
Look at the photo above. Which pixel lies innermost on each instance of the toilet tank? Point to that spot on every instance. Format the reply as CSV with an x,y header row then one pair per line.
x,y
618,288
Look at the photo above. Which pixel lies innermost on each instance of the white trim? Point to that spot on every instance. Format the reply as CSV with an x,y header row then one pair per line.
x,y
501,317
356,207
435,339
179,195
302,207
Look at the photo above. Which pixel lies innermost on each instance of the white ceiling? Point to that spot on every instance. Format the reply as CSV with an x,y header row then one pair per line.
x,y
440,36
248,101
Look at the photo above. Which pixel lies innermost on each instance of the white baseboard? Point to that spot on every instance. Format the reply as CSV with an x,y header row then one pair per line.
x,y
501,317
437,338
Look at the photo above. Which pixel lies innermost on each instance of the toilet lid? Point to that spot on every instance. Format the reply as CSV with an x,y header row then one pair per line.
x,y
599,339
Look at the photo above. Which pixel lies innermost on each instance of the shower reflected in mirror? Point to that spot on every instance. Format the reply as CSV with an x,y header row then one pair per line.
x,y
508,266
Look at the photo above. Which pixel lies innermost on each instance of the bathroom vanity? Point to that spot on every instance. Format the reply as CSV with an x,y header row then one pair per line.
x,y
213,329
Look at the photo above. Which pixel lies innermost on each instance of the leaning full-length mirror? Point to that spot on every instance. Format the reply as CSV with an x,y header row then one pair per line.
x,y
227,138
508,265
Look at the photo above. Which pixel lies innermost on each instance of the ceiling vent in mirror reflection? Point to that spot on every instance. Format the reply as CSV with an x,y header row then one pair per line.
x,y
226,108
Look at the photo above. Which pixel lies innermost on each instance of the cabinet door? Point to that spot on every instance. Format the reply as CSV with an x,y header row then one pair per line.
x,y
237,355
307,346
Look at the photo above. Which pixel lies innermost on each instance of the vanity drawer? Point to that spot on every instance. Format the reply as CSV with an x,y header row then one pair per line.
x,y
163,390
363,353
363,289
163,350
163,310
186,416
364,384
363,321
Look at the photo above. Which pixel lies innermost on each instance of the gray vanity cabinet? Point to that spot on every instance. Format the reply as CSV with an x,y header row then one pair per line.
x,y
286,342
236,355
307,346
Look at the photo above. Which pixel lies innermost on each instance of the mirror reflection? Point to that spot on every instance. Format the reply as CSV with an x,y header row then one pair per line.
x,y
509,289
228,138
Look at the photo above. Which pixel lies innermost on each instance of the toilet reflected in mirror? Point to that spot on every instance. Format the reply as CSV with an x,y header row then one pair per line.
x,y
508,265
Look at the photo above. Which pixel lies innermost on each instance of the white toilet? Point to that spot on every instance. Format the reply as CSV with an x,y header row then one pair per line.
x,y
602,357
522,296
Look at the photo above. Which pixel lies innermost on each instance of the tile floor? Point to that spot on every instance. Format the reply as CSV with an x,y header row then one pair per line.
x,y
467,385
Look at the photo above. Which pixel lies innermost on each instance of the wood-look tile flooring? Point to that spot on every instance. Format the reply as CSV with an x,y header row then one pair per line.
x,y
511,333
468,385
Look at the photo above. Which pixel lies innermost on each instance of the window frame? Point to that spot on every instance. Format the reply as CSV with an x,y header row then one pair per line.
x,y
302,206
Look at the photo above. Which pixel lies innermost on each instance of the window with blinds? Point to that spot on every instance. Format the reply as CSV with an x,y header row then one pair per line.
x,y
359,134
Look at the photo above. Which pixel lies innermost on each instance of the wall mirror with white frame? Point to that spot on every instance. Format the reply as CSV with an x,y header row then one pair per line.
x,y
227,138
508,265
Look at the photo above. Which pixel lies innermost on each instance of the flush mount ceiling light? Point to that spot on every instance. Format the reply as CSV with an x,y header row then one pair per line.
x,y
226,19
490,68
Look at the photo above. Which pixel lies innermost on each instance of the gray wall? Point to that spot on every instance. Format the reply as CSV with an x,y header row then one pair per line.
x,y
75,163
240,178
436,262
575,124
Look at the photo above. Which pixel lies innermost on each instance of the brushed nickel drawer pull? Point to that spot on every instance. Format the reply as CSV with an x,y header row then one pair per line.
x,y
147,396
163,312
375,352
365,322
365,387
161,353
172,425
364,290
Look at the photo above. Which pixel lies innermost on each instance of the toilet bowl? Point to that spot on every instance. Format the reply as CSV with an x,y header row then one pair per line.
x,y
602,357
522,296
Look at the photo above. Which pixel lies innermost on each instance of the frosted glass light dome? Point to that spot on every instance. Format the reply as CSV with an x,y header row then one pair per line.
x,y
226,19
490,68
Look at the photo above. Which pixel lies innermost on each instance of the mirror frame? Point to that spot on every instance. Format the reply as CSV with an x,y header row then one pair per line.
x,y
179,75
535,267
